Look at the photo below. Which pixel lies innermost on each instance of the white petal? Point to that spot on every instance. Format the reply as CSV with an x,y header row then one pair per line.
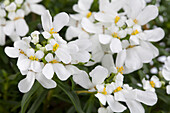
x,y
108,63
89,26
155,35
73,69
168,89
46,83
48,71
49,57
145,55
2,36
83,80
24,64
116,45
36,66
12,52
46,21
105,39
132,59
166,74
82,56
146,97
26,84
60,20
21,27
61,71
9,28
37,9
46,34
149,13
134,40
85,4
30,52
98,75
114,105
49,47
34,1
135,107
39,54
63,55
72,32
120,59
101,97
103,17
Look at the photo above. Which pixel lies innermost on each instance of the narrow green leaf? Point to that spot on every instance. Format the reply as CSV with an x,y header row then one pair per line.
x,y
72,95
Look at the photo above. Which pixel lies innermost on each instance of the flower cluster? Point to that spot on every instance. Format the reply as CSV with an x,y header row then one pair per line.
x,y
117,36
12,22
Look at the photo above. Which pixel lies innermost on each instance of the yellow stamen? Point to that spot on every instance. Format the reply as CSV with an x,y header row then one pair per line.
x,y
53,61
104,91
33,58
135,21
89,14
115,35
117,89
17,18
117,18
52,31
135,32
152,84
120,69
130,46
55,47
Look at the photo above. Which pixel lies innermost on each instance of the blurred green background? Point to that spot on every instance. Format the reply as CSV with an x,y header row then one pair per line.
x,y
63,98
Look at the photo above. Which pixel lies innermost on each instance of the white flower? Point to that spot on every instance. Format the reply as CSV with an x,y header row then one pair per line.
x,y
60,48
98,75
18,2
50,28
17,24
79,50
55,66
139,13
152,84
104,95
26,84
33,6
32,62
35,37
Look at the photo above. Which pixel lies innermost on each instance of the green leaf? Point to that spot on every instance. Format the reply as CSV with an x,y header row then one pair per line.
x,y
38,101
72,95
27,97
89,104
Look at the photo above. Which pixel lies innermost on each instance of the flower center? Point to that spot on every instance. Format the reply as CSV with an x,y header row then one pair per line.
x,y
33,58
120,69
89,14
117,89
55,47
135,21
53,61
52,31
152,84
104,91
17,18
135,32
115,35
117,18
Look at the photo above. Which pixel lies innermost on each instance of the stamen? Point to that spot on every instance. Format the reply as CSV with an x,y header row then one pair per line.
x,y
104,91
120,69
135,21
52,32
17,18
117,89
89,14
33,58
117,18
55,47
152,84
53,61
135,32
115,35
